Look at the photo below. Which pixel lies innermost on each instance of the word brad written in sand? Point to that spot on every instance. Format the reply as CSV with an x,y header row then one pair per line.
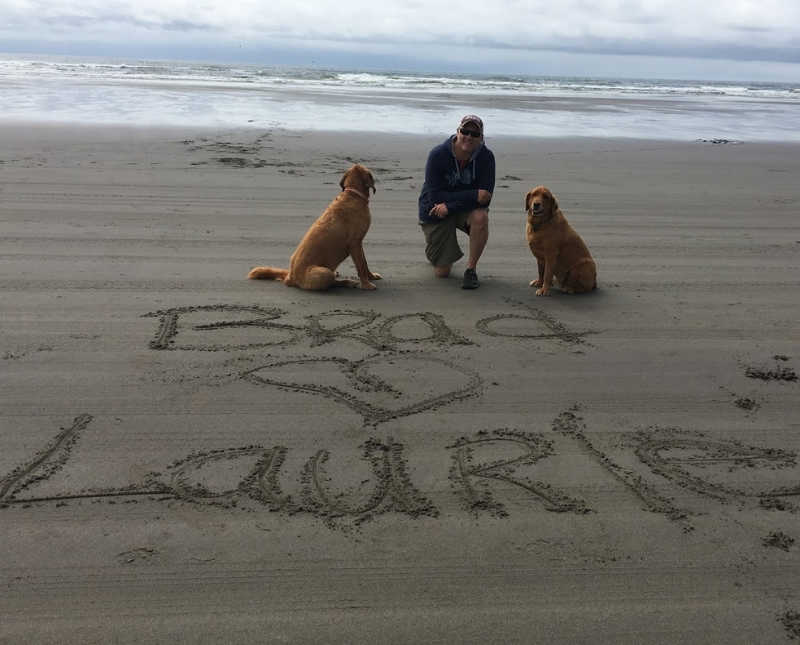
x,y
483,466
264,328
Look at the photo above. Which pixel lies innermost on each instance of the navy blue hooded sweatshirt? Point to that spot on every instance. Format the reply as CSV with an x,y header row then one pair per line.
x,y
446,182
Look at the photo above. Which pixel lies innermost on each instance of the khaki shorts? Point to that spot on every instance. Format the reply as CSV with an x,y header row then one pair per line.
x,y
441,246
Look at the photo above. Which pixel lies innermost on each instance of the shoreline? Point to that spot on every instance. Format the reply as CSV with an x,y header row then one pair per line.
x,y
66,129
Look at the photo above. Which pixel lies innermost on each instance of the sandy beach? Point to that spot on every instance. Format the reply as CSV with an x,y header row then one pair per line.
x,y
189,456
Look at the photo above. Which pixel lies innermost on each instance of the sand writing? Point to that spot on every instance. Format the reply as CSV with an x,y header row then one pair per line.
x,y
321,331
254,478
699,463
379,388
393,490
548,327
261,318
182,471
473,478
46,462
366,327
570,424
381,336
190,480
440,333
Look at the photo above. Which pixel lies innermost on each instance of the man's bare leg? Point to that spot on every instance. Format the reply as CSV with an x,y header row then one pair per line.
x,y
478,221
442,271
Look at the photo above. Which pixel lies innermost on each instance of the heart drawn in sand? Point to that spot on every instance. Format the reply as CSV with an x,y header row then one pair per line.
x,y
379,388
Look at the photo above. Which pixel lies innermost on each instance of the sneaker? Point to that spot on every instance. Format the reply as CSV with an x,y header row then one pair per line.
x,y
470,280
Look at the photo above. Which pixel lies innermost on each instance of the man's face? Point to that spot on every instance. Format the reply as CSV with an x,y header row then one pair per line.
x,y
465,139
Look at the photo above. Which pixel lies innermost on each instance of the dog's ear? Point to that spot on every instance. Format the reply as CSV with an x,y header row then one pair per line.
x,y
365,178
344,178
528,199
552,199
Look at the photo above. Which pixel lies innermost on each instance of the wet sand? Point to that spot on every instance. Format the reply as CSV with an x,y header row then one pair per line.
x,y
186,455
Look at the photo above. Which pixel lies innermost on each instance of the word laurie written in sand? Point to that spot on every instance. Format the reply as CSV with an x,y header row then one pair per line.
x,y
477,474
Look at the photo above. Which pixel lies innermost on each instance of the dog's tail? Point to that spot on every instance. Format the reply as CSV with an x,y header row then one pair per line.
x,y
268,273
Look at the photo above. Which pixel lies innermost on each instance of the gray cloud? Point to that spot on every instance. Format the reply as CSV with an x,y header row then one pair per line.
x,y
724,29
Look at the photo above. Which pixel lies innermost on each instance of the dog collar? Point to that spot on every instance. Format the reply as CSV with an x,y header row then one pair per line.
x,y
357,192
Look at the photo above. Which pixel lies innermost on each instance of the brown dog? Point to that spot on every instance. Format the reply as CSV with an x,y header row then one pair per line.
x,y
560,252
337,233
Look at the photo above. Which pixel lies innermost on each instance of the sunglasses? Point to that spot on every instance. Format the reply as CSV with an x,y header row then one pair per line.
x,y
470,133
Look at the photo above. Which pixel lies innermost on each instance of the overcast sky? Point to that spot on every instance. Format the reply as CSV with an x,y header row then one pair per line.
x,y
721,39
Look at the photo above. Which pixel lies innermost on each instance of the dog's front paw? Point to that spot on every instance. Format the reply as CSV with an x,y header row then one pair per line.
x,y
368,286
535,283
375,276
543,292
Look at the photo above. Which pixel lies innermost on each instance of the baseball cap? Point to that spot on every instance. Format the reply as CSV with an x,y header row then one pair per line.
x,y
471,118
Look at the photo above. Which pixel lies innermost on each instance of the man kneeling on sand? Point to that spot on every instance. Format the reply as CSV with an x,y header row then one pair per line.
x,y
459,180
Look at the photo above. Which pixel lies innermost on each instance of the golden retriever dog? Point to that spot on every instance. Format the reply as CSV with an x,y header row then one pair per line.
x,y
337,233
560,252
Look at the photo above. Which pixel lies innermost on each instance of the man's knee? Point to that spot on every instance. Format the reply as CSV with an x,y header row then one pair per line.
x,y
479,219
442,271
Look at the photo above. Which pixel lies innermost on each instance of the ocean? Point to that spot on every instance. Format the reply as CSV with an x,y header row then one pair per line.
x,y
39,89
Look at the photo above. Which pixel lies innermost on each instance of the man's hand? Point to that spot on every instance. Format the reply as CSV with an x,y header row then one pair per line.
x,y
439,210
484,197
